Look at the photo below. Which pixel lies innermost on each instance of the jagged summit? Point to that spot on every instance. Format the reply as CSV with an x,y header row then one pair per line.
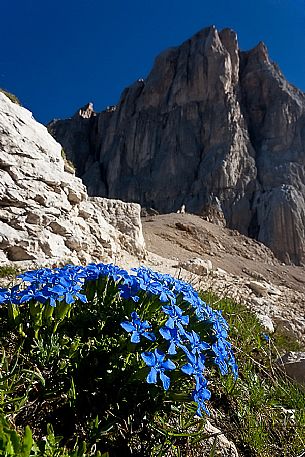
x,y
209,119
86,112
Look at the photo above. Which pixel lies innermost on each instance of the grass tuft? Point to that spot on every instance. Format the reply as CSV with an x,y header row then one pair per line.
x,y
11,96
8,271
263,412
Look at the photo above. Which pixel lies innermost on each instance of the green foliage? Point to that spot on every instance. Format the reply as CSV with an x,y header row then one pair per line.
x,y
7,271
74,368
21,444
12,97
11,443
263,412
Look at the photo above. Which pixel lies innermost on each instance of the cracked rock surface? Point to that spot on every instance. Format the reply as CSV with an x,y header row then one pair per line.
x,y
210,123
45,212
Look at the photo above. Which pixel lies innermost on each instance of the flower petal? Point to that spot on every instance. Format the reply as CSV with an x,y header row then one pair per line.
x,y
134,315
187,369
159,355
145,325
149,358
152,376
149,335
168,365
172,348
128,326
69,298
82,297
166,333
58,289
204,346
170,323
163,297
135,298
185,320
165,380
135,337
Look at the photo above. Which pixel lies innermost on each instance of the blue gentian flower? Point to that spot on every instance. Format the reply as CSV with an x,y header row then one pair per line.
x,y
221,354
200,396
69,293
38,277
203,311
173,336
130,288
31,293
196,344
137,328
220,329
176,317
158,365
5,295
158,289
58,284
195,367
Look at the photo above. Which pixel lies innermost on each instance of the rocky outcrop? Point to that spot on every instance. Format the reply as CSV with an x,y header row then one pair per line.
x,y
293,363
209,123
218,441
45,212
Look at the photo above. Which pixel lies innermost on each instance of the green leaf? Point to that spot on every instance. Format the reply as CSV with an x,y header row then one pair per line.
x,y
48,313
15,439
13,313
213,449
27,442
61,311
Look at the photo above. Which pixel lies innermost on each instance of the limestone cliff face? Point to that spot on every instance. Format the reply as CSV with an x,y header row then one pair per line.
x,y
45,212
209,122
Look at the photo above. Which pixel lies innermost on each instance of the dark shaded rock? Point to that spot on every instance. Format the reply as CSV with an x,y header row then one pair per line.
x,y
293,364
185,227
209,121
146,212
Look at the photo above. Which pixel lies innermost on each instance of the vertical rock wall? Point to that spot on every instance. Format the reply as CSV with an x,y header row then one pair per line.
x,y
209,122
45,212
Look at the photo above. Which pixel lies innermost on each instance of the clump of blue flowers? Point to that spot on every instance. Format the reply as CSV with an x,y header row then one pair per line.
x,y
162,319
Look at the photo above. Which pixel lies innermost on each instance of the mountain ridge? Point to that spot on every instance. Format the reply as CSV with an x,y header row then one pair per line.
x,y
209,121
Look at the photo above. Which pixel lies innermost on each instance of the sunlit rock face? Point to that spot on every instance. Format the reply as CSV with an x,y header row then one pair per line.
x,y
209,122
45,212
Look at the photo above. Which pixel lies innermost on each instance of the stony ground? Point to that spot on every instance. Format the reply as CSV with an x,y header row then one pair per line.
x,y
242,268
232,266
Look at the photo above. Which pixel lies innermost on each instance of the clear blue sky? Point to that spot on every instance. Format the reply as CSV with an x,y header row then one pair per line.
x,y
58,55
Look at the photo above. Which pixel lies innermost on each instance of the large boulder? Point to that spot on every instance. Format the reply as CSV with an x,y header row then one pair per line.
x,y
45,212
209,123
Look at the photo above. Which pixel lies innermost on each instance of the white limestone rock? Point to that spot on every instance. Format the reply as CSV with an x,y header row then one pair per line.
x,y
266,322
45,212
258,288
224,447
197,266
263,288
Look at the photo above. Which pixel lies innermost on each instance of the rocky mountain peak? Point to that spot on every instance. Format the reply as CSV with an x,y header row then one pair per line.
x,y
261,52
258,59
209,119
86,112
